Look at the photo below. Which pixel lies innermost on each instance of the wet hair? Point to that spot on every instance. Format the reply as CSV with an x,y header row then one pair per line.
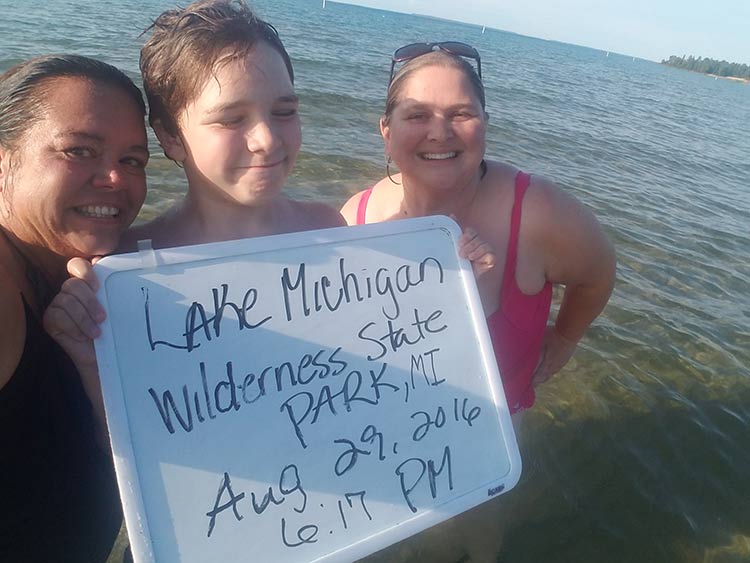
x,y
187,44
434,58
23,89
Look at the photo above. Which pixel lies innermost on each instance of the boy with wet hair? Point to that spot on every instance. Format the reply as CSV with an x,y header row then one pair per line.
x,y
186,44
220,88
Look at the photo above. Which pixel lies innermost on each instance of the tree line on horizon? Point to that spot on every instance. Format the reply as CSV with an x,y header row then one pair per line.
x,y
709,66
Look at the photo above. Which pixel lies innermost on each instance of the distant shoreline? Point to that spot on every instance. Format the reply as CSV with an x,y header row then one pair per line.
x,y
714,76
733,78
736,72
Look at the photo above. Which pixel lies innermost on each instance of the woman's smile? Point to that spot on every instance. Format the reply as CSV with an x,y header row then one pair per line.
x,y
98,211
439,156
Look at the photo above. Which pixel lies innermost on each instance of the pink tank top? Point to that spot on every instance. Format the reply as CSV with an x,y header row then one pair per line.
x,y
517,327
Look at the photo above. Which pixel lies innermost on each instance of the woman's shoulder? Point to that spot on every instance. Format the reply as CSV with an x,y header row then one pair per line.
x,y
500,172
541,198
351,208
566,232
382,199
550,207
12,329
546,211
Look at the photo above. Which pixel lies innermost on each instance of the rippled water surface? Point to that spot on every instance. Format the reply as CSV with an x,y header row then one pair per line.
x,y
640,450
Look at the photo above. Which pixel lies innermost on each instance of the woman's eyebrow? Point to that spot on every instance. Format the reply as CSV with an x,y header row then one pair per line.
x,y
414,104
75,135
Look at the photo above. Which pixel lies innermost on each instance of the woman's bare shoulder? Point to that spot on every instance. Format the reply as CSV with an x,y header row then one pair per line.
x,y
351,207
549,205
495,197
503,169
566,231
12,329
498,183
384,203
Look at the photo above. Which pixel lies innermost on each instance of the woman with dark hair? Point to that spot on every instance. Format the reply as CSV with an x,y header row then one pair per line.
x,y
434,129
72,155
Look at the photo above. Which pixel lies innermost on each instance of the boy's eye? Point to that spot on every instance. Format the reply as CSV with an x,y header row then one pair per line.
x,y
230,121
285,112
416,116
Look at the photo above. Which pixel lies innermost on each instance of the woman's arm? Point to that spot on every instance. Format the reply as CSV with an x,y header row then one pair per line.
x,y
72,320
575,253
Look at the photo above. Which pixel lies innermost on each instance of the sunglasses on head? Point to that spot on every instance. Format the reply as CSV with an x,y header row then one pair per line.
x,y
414,50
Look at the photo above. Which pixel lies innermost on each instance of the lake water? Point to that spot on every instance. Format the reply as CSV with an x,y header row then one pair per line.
x,y
639,451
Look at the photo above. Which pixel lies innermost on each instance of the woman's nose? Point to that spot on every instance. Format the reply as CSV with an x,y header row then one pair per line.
x,y
109,176
440,129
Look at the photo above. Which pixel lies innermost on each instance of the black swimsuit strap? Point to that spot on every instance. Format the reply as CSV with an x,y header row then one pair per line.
x,y
43,290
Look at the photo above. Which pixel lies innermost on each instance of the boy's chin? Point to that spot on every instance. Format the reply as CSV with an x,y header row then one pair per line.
x,y
257,195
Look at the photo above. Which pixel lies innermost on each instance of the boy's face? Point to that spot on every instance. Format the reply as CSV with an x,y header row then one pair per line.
x,y
241,136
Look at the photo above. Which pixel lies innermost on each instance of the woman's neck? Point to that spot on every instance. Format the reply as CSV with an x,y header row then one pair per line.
x,y
420,200
40,272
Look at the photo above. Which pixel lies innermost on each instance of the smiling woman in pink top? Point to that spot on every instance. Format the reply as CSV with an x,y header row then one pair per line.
x,y
434,129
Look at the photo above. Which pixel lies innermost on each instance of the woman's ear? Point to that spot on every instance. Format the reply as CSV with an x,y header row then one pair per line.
x,y
4,167
171,144
385,131
5,187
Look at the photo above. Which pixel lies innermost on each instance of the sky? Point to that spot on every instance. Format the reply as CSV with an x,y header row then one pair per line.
x,y
649,29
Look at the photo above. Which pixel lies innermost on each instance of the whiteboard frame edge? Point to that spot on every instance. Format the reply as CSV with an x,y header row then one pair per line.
x,y
126,471
124,455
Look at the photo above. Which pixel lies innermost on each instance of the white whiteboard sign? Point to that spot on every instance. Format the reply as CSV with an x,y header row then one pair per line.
x,y
307,397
